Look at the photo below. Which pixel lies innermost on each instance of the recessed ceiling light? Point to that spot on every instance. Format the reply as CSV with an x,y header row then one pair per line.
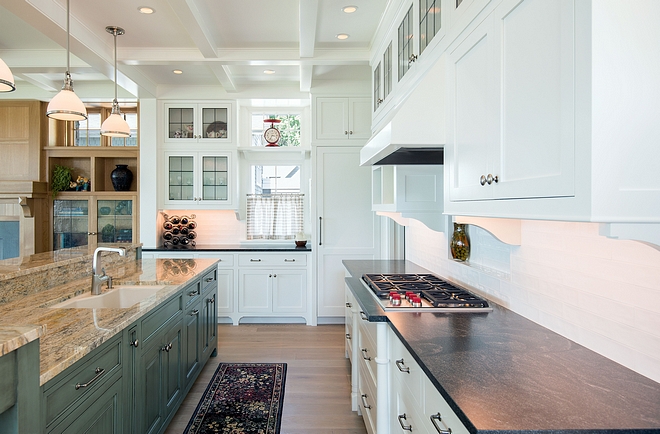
x,y
146,10
349,9
342,36
269,71
177,71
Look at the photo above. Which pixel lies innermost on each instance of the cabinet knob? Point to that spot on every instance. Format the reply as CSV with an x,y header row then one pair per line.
x,y
379,101
349,305
482,180
490,179
92,233
135,343
346,133
350,132
274,275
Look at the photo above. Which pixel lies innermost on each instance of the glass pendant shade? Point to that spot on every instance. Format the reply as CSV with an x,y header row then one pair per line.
x,y
6,78
115,125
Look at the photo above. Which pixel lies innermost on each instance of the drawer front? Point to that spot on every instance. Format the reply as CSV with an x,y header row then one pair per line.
x,y
405,370
209,280
280,260
84,380
224,260
367,352
161,317
192,293
406,415
438,415
367,400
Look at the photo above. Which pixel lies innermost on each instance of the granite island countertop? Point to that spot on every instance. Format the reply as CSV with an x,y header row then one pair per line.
x,y
502,373
247,247
67,335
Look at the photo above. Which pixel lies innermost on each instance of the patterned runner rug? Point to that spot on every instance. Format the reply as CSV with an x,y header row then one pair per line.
x,y
241,398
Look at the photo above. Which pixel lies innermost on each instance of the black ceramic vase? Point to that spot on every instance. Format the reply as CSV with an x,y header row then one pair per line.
x,y
121,178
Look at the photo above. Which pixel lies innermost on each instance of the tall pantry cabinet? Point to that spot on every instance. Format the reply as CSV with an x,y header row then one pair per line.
x,y
344,227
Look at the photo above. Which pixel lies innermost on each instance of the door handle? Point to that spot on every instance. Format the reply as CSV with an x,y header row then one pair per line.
x,y
320,229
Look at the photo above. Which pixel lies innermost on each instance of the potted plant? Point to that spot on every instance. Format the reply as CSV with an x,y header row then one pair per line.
x,y
108,233
61,179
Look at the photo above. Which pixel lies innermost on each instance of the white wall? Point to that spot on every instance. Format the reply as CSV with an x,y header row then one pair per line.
x,y
601,293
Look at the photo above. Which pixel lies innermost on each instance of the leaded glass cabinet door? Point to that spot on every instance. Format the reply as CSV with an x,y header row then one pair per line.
x,y
115,221
181,179
198,123
214,178
70,223
198,179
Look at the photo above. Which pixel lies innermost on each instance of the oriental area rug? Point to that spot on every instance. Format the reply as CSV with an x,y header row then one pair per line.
x,y
241,398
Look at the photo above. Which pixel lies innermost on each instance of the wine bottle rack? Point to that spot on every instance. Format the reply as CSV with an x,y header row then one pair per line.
x,y
179,231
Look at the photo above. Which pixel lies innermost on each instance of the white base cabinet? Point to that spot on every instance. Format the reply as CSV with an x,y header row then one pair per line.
x,y
271,286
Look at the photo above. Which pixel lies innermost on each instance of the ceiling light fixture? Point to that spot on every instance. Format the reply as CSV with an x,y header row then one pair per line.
x,y
342,36
6,78
177,72
115,125
349,9
269,71
146,10
66,106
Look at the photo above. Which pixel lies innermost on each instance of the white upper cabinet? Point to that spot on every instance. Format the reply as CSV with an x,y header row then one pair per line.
x,y
511,104
198,122
342,118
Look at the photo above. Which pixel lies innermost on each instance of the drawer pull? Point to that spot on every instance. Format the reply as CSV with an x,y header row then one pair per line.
x,y
364,316
364,397
255,260
135,343
192,293
364,354
289,260
209,279
437,418
194,312
349,305
348,336
402,367
404,427
98,372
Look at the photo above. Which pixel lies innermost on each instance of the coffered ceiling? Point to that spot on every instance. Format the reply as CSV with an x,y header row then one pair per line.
x,y
224,45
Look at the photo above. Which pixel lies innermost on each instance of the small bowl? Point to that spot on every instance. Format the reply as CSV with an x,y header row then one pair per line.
x,y
104,210
301,243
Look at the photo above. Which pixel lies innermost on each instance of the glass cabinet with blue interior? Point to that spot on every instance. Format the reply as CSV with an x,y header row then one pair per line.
x,y
192,122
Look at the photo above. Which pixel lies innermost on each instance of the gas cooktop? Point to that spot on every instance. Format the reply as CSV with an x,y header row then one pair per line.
x,y
423,293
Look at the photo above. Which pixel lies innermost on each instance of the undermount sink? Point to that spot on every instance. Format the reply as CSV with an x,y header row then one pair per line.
x,y
121,296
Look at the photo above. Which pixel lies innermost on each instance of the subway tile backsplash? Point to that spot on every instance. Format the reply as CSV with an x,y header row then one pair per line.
x,y
602,293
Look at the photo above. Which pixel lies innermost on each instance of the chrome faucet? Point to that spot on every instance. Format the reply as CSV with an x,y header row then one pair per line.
x,y
98,280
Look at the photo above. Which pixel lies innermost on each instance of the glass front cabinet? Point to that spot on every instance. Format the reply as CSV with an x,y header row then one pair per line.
x,y
199,180
90,220
198,123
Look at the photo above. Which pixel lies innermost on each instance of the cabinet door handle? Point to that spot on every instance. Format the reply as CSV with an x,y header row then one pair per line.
x,y
98,372
320,229
255,260
349,305
193,313
434,420
364,354
289,260
402,367
404,427
364,397
135,343
412,58
92,233
348,336
364,316
482,180
167,347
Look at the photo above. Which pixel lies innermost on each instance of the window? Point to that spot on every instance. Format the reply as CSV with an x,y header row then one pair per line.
x,y
387,71
289,127
405,43
275,205
377,99
88,132
132,120
429,21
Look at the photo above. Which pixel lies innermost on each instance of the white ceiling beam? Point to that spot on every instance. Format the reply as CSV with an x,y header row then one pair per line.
x,y
306,74
308,17
40,81
194,16
224,76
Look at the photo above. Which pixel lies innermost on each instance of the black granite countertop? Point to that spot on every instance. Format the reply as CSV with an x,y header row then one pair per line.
x,y
502,373
232,248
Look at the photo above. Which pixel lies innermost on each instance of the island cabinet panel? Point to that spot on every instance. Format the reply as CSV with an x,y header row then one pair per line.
x,y
74,388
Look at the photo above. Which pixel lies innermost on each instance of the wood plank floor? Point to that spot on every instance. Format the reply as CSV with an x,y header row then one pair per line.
x,y
317,390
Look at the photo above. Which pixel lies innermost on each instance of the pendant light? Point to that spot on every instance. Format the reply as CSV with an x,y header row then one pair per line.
x,y
115,125
66,105
6,78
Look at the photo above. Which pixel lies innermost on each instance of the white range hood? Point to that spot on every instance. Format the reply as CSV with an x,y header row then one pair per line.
x,y
416,133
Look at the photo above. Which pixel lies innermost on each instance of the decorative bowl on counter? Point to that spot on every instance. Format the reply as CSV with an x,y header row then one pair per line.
x,y
301,243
